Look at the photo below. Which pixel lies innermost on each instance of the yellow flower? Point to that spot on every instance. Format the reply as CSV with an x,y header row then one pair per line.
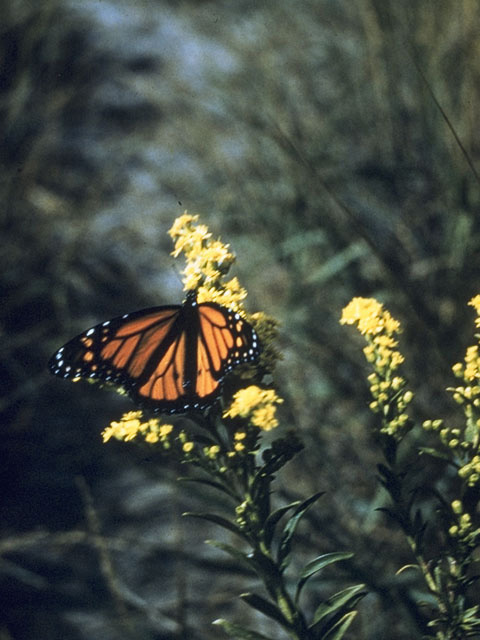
x,y
366,312
213,451
264,417
256,405
475,302
188,446
131,425
472,361
229,294
164,431
125,429
380,329
181,224
208,259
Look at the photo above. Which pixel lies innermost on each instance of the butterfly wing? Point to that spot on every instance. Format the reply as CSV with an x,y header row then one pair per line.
x,y
224,341
125,350
170,359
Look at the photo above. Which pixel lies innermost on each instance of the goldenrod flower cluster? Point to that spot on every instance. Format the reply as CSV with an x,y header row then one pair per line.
x,y
208,260
468,394
130,426
470,471
390,396
256,405
463,530
463,444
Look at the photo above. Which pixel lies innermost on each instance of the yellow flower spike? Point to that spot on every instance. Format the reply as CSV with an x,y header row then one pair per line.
x,y
208,259
365,312
380,330
256,405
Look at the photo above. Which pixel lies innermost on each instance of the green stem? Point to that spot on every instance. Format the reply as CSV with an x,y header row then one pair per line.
x,y
274,583
437,592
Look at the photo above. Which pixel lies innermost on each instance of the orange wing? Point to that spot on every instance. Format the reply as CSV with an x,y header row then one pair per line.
x,y
126,350
224,341
171,359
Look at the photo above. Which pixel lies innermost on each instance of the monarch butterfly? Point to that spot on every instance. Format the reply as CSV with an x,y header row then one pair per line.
x,y
170,359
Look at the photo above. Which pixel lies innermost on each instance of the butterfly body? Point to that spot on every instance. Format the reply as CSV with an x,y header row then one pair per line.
x,y
171,359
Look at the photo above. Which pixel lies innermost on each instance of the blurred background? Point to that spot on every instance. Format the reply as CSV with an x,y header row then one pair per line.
x,y
306,135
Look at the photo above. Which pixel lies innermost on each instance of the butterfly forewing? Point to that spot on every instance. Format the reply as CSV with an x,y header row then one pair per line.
x,y
117,350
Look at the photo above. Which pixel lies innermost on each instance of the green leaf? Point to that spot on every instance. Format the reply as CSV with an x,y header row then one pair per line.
x,y
471,613
239,632
317,565
245,560
209,483
339,628
345,598
266,607
273,520
290,527
222,522
435,454
337,263
406,567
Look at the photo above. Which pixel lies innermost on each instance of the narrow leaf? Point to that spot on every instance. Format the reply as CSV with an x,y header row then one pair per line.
x,y
435,453
222,522
290,527
209,483
406,567
239,632
318,564
345,598
266,607
338,630
242,558
273,520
